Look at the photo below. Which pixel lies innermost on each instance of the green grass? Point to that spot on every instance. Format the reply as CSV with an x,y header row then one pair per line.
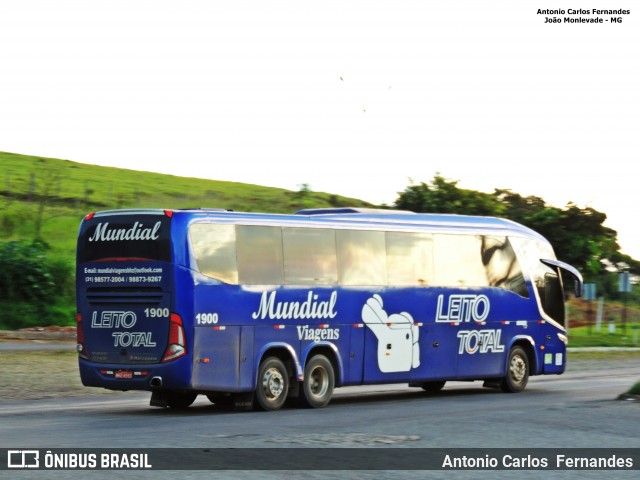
x,y
622,356
590,337
68,191
57,194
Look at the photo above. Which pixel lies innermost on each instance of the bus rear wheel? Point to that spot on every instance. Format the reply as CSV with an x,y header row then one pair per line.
x,y
517,375
273,384
319,381
180,400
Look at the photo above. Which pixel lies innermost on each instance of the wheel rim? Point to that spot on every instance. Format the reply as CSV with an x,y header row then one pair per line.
x,y
272,383
517,368
319,382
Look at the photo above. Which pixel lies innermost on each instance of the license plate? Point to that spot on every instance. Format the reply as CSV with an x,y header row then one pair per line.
x,y
124,374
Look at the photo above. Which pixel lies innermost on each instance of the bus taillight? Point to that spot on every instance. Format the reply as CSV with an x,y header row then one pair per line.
x,y
82,351
177,341
89,216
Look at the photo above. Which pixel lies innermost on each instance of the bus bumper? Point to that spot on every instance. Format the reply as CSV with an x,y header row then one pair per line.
x,y
174,375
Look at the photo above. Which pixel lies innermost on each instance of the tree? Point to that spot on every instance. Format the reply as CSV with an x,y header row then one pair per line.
x,y
578,235
444,196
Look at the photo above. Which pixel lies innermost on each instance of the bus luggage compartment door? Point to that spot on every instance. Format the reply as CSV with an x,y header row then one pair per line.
x,y
222,358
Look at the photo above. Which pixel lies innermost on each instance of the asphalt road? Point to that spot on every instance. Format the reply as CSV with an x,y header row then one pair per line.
x,y
577,409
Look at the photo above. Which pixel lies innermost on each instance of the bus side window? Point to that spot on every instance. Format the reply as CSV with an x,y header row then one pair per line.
x,y
260,258
409,259
214,248
501,265
361,257
309,256
458,261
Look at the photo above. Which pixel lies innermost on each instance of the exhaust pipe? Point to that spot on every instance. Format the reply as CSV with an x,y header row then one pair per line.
x,y
156,382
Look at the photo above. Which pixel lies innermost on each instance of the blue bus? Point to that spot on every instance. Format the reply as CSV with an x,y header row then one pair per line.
x,y
252,309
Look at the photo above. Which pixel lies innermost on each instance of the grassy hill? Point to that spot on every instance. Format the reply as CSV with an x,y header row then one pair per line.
x,y
47,198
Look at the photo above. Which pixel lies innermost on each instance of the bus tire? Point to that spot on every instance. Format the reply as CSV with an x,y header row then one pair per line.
x,y
517,374
273,384
433,387
319,381
180,400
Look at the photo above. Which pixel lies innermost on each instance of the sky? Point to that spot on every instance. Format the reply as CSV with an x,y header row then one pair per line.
x,y
358,98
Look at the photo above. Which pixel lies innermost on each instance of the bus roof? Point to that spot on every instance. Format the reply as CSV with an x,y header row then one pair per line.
x,y
354,217
429,221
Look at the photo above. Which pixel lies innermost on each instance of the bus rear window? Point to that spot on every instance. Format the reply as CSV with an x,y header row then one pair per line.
x,y
125,237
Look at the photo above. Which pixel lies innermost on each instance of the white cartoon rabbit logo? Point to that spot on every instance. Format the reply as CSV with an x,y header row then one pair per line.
x,y
398,347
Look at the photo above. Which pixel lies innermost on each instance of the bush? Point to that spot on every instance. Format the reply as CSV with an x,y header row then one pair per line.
x,y
63,278
35,289
14,315
8,225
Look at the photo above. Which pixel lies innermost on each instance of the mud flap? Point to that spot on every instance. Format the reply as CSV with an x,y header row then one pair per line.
x,y
243,401
158,399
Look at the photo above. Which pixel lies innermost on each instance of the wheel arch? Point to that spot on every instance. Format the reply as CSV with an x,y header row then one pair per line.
x,y
332,353
528,344
284,352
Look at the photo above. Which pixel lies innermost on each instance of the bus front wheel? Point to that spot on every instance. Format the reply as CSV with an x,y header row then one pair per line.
x,y
517,376
273,384
318,384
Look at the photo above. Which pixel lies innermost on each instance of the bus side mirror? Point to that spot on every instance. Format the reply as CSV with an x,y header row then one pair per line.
x,y
577,277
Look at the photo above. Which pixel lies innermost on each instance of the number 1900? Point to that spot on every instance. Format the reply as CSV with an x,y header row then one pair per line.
x,y
207,318
156,312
